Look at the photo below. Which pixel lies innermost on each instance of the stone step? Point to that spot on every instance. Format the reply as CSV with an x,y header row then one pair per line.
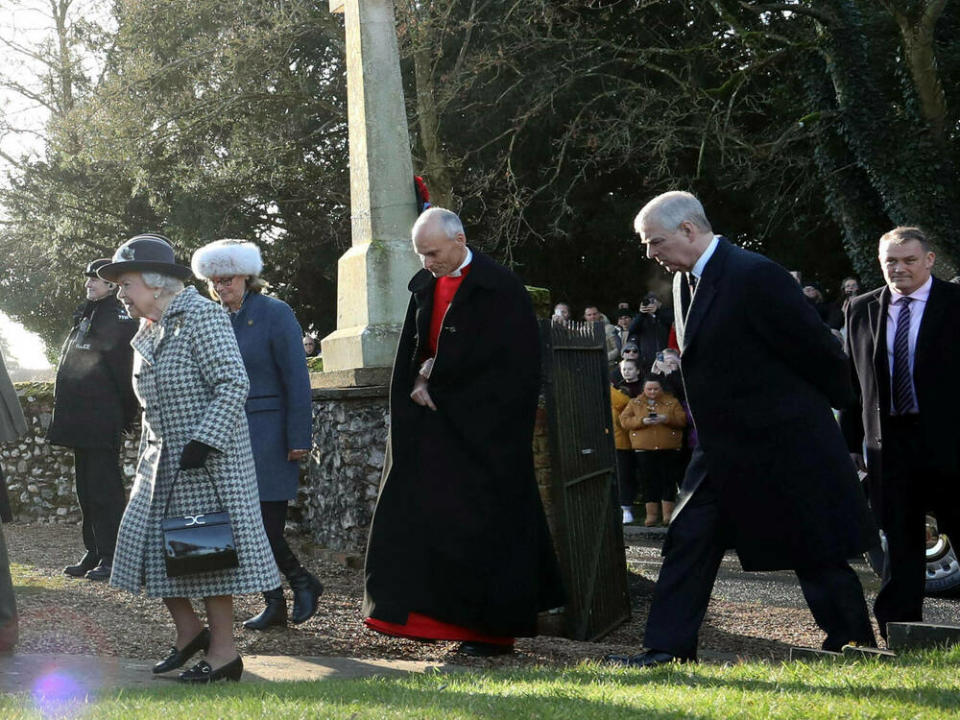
x,y
918,636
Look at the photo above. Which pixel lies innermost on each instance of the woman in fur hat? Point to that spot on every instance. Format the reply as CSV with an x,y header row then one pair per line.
x,y
278,408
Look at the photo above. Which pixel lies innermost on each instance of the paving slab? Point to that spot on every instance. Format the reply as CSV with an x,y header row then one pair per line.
x,y
917,636
80,675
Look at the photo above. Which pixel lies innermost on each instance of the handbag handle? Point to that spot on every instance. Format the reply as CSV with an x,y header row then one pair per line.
x,y
176,478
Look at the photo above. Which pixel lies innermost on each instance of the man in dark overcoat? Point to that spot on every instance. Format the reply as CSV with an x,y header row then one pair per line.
x,y
771,476
12,426
93,403
904,345
459,547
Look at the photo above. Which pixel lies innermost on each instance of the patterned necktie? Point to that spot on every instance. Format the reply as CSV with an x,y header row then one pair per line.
x,y
691,288
902,383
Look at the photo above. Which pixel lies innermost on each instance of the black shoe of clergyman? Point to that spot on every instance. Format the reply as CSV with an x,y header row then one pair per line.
x,y
203,673
86,564
101,571
650,658
178,658
482,649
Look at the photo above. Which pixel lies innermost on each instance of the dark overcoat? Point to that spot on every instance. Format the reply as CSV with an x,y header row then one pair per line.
x,y
761,373
935,378
459,533
93,395
279,406
12,426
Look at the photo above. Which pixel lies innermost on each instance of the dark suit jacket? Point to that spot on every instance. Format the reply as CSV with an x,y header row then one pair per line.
x,y
936,378
761,373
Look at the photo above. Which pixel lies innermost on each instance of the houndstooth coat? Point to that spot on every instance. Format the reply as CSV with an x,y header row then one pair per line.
x,y
190,379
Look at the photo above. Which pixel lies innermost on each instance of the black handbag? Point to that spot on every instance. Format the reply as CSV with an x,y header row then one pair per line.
x,y
197,543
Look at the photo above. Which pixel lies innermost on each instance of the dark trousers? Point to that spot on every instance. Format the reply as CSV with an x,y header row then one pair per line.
x,y
909,490
689,570
101,496
662,471
274,514
626,477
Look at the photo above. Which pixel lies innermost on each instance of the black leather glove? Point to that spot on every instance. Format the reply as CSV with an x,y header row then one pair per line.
x,y
194,455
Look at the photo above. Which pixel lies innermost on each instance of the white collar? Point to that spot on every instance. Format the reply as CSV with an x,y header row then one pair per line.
x,y
922,293
466,261
701,263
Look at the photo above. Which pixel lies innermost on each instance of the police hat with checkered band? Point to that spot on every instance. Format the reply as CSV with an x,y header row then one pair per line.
x,y
145,253
92,267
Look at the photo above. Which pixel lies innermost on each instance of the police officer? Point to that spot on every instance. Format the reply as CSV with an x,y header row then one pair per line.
x,y
93,403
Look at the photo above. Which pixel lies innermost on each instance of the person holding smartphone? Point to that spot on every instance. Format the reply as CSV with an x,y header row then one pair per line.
x,y
655,422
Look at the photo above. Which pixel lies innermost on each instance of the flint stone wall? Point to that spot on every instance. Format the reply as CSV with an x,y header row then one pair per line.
x,y
40,475
339,483
338,495
338,489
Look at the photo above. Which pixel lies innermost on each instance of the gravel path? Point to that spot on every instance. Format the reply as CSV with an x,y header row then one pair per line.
x,y
63,615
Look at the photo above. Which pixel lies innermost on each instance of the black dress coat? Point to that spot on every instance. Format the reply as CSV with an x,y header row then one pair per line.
x,y
459,533
93,395
936,379
12,426
761,373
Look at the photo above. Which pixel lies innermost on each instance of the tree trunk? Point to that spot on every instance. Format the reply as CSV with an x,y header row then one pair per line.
x,y
435,170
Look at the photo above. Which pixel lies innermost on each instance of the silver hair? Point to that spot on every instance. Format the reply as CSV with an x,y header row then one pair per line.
x,y
448,221
166,284
671,209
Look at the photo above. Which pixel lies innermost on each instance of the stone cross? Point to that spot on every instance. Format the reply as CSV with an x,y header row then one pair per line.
x,y
372,275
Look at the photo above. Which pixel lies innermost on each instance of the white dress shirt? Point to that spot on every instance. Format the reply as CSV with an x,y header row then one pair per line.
x,y
701,263
919,304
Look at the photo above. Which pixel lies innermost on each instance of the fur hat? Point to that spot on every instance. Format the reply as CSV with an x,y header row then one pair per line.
x,y
223,258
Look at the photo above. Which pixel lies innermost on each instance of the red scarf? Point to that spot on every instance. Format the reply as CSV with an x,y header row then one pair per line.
x,y
444,290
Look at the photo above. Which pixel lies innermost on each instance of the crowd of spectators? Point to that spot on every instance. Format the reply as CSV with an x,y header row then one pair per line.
x,y
644,363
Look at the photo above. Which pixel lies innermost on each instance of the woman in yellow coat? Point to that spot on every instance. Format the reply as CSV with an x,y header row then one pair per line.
x,y
655,423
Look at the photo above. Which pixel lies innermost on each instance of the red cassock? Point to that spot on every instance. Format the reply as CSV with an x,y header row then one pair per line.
x,y
420,626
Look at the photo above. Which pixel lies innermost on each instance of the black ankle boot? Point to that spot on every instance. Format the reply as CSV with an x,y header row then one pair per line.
x,y
275,613
306,592
86,564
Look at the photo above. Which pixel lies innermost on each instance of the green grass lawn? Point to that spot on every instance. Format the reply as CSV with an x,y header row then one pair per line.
x,y
921,685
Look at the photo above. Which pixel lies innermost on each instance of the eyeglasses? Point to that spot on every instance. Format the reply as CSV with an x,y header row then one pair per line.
x,y
635,352
221,281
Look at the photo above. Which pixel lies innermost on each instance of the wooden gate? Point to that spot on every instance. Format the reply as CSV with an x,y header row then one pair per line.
x,y
586,523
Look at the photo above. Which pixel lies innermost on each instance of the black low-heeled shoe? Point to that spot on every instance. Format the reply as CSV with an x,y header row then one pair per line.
x,y
178,658
202,672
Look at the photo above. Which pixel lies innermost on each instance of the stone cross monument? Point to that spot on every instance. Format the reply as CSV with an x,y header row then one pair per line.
x,y
372,275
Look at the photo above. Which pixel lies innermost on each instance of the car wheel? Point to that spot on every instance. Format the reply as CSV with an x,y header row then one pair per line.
x,y
943,567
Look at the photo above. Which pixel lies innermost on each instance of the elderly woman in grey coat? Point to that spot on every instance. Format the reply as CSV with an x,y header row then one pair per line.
x,y
12,426
190,380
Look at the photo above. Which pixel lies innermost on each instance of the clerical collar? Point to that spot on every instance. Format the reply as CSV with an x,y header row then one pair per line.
x,y
703,259
466,261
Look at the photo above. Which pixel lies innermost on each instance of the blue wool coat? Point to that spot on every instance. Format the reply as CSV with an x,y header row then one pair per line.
x,y
279,408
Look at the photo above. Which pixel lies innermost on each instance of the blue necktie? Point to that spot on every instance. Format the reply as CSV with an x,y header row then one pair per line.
x,y
902,382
